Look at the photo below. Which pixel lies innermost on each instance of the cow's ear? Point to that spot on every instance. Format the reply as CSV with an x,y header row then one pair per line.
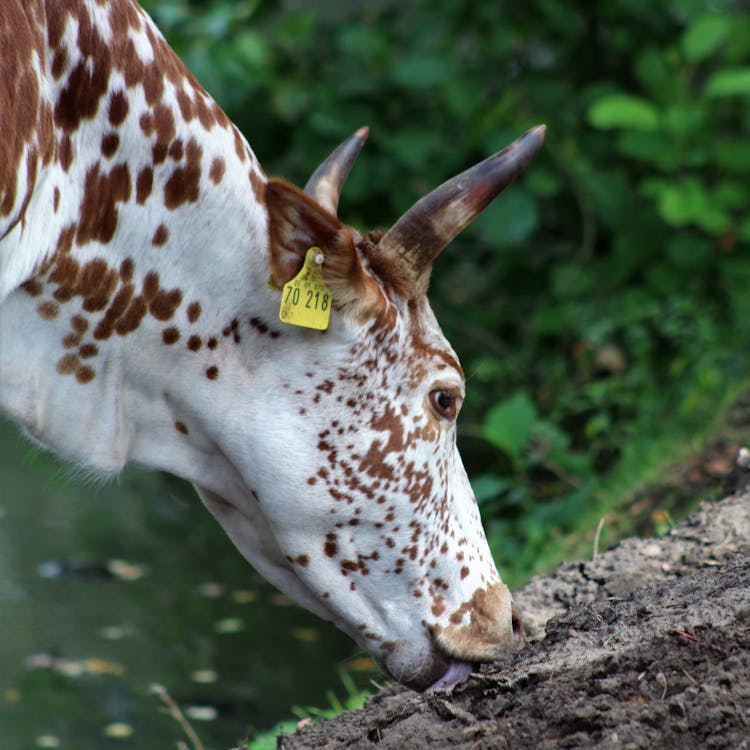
x,y
295,224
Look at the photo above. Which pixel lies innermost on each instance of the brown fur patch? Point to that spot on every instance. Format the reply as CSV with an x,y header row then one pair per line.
x,y
110,144
161,235
170,335
143,185
183,184
118,108
217,170
101,194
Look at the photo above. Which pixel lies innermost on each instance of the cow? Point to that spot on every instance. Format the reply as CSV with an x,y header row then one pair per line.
x,y
150,274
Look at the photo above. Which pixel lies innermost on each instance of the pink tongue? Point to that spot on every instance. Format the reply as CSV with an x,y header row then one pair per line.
x,y
457,672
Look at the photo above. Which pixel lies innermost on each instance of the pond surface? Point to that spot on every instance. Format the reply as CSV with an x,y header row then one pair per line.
x,y
106,589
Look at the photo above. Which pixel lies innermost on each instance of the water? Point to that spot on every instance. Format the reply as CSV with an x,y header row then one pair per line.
x,y
105,590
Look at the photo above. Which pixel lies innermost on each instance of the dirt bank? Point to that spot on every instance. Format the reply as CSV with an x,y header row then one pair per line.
x,y
648,646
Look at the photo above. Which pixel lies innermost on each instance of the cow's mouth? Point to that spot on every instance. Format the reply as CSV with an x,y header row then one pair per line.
x,y
457,672
439,673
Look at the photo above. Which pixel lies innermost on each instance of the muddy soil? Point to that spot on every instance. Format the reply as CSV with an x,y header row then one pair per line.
x,y
647,646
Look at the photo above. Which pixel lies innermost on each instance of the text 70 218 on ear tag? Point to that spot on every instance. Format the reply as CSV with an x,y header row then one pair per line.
x,y
305,299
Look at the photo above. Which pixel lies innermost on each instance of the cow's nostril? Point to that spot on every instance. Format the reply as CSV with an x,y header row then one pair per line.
x,y
516,622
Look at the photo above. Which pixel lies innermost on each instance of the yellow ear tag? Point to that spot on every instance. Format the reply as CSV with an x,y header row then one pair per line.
x,y
305,300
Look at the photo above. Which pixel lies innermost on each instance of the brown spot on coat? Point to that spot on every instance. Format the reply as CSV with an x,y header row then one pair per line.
x,y
143,185
193,311
59,63
176,149
101,194
217,170
126,269
85,374
118,108
170,335
183,184
32,287
212,372
48,310
161,235
65,152
110,143
180,427
71,340
68,364
165,303
131,318
257,185
79,324
194,343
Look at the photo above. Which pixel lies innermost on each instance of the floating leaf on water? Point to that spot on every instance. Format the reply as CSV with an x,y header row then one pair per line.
x,y
282,600
117,632
47,740
69,668
126,571
100,666
305,634
211,589
204,676
244,596
50,569
229,625
39,661
201,713
118,730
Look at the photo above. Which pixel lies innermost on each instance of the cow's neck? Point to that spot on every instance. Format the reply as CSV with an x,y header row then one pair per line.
x,y
139,298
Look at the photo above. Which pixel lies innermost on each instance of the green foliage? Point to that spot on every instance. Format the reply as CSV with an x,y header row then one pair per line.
x,y
354,699
600,307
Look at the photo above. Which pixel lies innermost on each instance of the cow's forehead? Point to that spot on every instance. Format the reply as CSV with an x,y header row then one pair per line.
x,y
426,352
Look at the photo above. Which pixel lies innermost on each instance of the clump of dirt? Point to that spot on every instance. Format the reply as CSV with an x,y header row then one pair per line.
x,y
647,646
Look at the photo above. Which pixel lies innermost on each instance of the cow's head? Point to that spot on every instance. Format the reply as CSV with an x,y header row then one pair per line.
x,y
359,506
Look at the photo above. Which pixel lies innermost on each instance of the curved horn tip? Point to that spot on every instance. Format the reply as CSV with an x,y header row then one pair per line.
x,y
539,132
364,131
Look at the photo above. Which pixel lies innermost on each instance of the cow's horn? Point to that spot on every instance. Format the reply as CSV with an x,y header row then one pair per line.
x,y
327,180
415,240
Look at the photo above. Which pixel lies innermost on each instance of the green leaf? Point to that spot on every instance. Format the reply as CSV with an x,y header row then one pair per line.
x,y
510,219
729,82
623,111
704,36
420,72
687,201
488,486
510,423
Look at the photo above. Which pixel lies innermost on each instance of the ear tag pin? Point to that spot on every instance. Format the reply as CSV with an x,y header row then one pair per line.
x,y
305,299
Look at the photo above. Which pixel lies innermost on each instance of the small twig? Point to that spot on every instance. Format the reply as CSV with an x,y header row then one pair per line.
x,y
690,677
685,634
174,711
597,535
610,638
662,680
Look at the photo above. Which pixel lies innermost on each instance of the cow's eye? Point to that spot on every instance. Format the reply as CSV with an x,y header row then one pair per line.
x,y
445,403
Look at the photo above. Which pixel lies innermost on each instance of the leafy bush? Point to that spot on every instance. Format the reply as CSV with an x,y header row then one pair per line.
x,y
600,307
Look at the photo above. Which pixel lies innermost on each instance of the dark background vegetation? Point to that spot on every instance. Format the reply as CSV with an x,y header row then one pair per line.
x,y
600,306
